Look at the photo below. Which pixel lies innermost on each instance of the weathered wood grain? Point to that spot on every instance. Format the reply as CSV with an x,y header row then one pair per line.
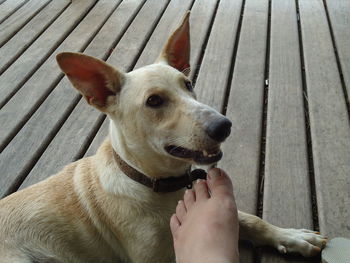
x,y
69,142
53,112
340,22
245,103
32,30
212,81
329,122
45,78
169,21
11,25
23,68
9,7
47,120
201,14
287,194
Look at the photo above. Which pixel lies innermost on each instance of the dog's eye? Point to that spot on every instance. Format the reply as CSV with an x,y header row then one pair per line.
x,y
189,85
154,101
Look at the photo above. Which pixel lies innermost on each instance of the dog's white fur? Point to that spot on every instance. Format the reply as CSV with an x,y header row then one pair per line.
x,y
91,211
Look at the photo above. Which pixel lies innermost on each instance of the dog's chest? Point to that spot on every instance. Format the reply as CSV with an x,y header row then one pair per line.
x,y
145,235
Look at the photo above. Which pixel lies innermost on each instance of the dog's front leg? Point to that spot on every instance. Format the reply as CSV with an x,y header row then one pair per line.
x,y
259,232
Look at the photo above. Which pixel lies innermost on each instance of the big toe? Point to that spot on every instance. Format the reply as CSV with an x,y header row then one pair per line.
x,y
219,183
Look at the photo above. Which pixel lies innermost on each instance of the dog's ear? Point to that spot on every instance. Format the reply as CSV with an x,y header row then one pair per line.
x,y
93,78
176,51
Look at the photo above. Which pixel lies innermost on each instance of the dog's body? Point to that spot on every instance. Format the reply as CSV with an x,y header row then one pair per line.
x,y
92,211
78,216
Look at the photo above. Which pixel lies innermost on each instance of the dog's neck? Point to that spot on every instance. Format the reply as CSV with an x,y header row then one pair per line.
x,y
152,164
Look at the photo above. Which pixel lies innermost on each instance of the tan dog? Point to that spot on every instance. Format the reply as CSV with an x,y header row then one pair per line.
x,y
92,211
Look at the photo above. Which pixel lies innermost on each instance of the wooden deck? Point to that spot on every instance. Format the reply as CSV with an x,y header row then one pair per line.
x,y
280,70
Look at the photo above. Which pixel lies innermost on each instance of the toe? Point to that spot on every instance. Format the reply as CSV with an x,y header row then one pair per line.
x,y
201,190
316,240
189,198
180,211
309,250
174,225
219,183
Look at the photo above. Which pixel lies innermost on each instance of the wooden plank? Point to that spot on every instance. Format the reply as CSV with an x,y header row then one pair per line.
x,y
43,80
12,79
287,194
212,80
214,76
329,121
68,143
169,21
242,149
72,138
98,139
9,7
58,105
12,49
17,20
202,12
63,98
339,13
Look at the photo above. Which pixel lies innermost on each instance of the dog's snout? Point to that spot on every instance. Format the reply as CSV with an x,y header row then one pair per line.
x,y
219,129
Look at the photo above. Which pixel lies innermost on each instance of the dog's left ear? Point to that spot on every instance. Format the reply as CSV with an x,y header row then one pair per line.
x,y
97,81
176,51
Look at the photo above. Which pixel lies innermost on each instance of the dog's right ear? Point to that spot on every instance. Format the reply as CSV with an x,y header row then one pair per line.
x,y
93,78
176,51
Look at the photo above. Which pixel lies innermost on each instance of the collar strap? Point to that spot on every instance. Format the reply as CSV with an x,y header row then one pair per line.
x,y
169,184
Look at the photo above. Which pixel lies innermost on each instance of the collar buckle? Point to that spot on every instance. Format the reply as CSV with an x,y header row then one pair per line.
x,y
155,185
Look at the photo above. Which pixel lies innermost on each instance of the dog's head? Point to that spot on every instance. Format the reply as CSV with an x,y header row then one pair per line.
x,y
154,109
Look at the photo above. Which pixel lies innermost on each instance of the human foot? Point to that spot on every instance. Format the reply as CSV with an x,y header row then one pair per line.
x,y
205,225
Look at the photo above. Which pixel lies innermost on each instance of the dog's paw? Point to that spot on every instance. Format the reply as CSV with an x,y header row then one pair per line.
x,y
305,242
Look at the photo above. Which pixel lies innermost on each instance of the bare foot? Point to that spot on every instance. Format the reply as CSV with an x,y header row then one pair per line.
x,y
205,226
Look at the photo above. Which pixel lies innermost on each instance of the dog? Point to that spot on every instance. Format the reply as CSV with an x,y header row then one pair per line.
x,y
115,206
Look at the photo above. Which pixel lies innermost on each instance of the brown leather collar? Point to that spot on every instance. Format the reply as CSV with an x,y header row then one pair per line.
x,y
169,184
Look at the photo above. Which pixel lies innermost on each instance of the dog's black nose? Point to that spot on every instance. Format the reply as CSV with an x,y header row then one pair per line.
x,y
219,129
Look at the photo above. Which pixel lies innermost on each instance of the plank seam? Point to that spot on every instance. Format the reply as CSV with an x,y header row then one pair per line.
x,y
191,5
261,174
307,125
143,45
36,156
233,61
115,43
22,176
340,70
262,158
44,59
23,24
51,87
10,62
205,43
90,137
13,11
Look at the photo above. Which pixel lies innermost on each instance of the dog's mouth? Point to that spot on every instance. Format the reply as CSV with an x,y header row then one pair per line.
x,y
200,157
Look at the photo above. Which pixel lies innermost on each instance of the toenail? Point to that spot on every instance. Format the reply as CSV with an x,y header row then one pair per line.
x,y
213,173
